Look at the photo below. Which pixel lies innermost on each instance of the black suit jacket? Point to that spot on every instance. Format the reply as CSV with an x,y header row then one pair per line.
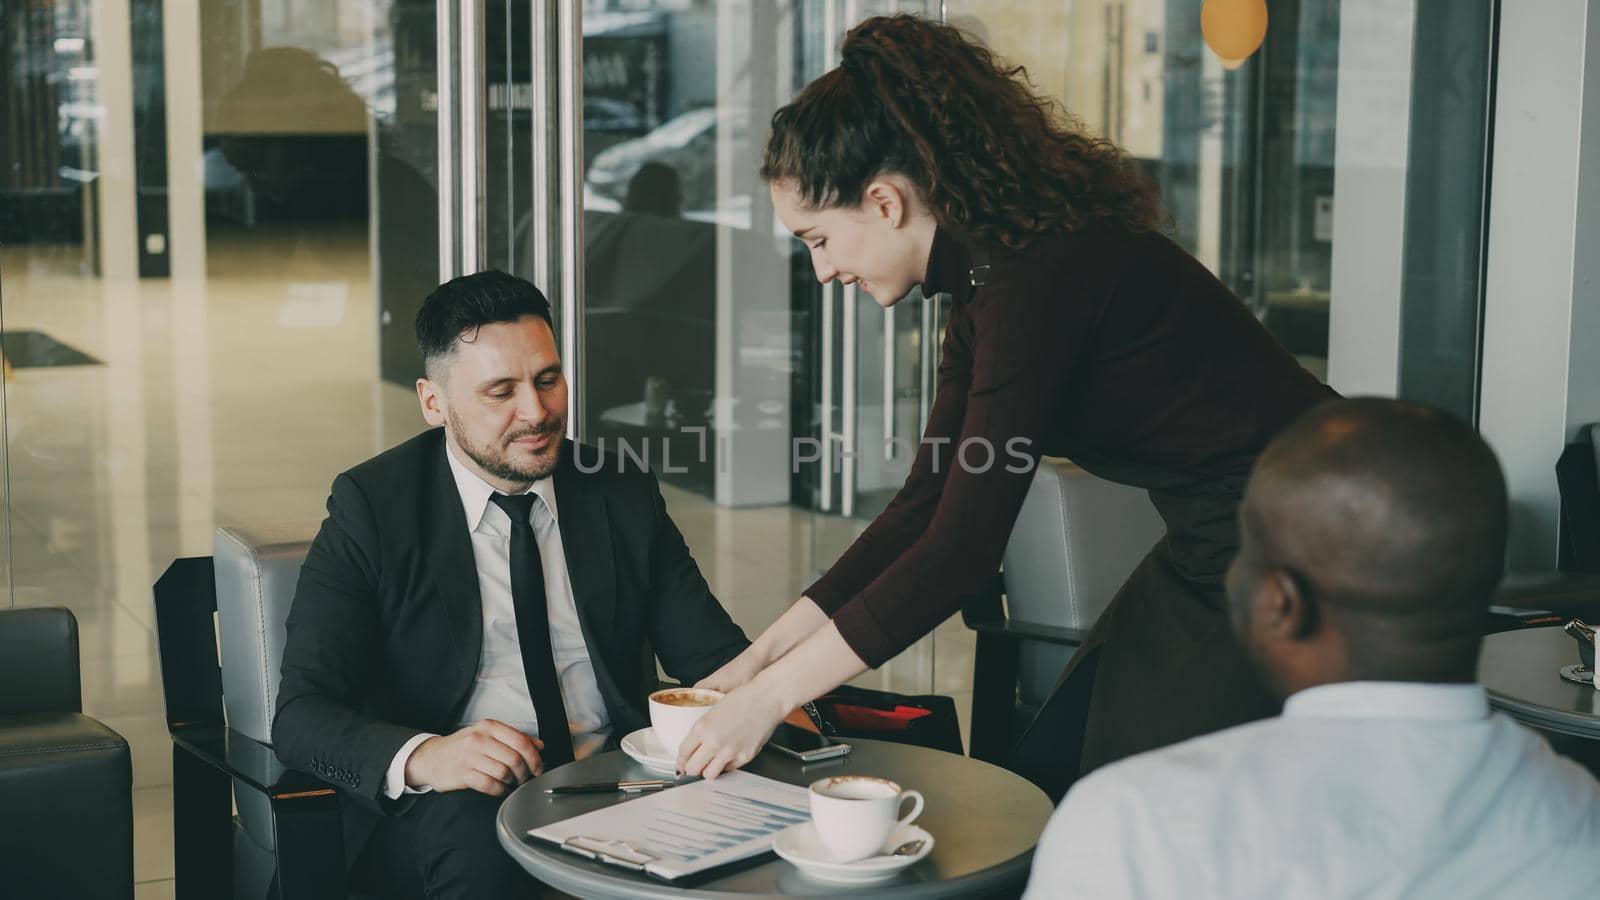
x,y
385,634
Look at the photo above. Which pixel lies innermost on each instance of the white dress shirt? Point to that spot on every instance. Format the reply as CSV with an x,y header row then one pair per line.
x,y
501,689
1361,789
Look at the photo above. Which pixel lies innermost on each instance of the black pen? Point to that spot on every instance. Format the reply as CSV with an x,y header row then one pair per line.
x,y
609,787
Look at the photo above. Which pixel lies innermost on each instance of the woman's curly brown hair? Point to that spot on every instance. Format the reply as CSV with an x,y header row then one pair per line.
x,y
992,158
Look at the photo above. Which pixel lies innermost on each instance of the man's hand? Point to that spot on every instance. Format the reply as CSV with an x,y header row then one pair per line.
x,y
489,757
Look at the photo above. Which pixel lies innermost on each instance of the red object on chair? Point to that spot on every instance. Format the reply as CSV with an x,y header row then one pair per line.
x,y
866,718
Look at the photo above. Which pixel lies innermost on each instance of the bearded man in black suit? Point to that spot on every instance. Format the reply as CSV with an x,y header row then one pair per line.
x,y
481,604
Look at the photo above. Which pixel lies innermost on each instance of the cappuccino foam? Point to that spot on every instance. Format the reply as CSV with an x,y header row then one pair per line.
x,y
685,698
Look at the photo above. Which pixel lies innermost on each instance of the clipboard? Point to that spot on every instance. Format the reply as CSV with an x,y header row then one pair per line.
x,y
685,832
616,853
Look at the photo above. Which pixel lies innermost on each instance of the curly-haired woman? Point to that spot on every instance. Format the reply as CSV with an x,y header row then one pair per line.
x,y
1078,330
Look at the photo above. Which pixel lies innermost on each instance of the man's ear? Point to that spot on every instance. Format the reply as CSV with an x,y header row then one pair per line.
x,y
885,200
1284,608
430,395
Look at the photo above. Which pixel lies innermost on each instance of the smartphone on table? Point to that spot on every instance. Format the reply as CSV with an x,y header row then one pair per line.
x,y
806,746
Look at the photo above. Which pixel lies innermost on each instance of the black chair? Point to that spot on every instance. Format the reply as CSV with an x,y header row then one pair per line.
x,y
1572,589
219,713
1578,479
215,852
66,780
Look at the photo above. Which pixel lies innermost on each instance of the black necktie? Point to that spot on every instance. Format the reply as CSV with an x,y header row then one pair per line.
x,y
533,630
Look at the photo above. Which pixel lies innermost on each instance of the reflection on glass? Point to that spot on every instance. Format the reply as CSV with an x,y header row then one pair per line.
x,y
509,141
142,411
762,400
315,174
650,278
5,486
53,367
1446,187
323,228
48,150
1244,158
676,100
652,128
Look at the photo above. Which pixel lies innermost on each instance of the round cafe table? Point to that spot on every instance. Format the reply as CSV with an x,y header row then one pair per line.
x,y
1522,671
984,821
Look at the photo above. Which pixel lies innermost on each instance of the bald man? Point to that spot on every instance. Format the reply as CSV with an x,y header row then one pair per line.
x,y
1373,535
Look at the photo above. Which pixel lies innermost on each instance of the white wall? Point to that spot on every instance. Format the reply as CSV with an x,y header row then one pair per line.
x,y
750,423
1369,190
1541,372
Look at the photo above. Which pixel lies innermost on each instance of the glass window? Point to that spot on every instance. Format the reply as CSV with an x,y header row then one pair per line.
x,y
205,301
1447,191
764,400
1244,159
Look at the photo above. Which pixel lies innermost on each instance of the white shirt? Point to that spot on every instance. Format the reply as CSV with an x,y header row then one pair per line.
x,y
501,688
1361,789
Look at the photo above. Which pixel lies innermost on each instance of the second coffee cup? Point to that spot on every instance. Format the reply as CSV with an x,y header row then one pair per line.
x,y
675,710
854,814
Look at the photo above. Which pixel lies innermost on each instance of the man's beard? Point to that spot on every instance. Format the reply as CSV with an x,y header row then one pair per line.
x,y
495,461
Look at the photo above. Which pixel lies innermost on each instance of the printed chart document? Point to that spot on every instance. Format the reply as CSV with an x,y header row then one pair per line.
x,y
685,830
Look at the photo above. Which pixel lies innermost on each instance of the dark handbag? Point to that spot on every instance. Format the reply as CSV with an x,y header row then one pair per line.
x,y
924,720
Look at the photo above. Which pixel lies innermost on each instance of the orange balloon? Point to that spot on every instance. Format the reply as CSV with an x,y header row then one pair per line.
x,y
1234,29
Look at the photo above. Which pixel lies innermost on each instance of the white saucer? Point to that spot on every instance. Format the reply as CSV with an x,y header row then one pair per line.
x,y
646,750
800,846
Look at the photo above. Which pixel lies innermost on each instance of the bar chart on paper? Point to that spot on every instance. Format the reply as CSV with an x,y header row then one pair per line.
x,y
686,830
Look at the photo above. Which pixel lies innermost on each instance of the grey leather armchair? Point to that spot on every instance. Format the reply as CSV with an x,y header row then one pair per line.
x,y
219,714
1076,539
66,780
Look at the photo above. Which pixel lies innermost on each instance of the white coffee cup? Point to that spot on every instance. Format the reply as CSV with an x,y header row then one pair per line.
x,y
675,710
855,814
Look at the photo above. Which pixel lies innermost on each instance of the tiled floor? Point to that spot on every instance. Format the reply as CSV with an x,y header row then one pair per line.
x,y
225,402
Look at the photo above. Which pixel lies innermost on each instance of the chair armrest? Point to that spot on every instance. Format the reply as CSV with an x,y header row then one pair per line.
x,y
985,613
248,761
1566,594
1011,629
1509,618
994,671
305,815
66,807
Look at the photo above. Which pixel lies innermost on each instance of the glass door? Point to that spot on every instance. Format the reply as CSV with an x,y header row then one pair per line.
x,y
761,399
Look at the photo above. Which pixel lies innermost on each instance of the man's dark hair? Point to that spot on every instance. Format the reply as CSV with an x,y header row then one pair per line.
x,y
459,307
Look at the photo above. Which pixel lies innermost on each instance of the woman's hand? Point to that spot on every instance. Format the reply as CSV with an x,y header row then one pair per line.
x,y
732,733
735,674
735,730
799,622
